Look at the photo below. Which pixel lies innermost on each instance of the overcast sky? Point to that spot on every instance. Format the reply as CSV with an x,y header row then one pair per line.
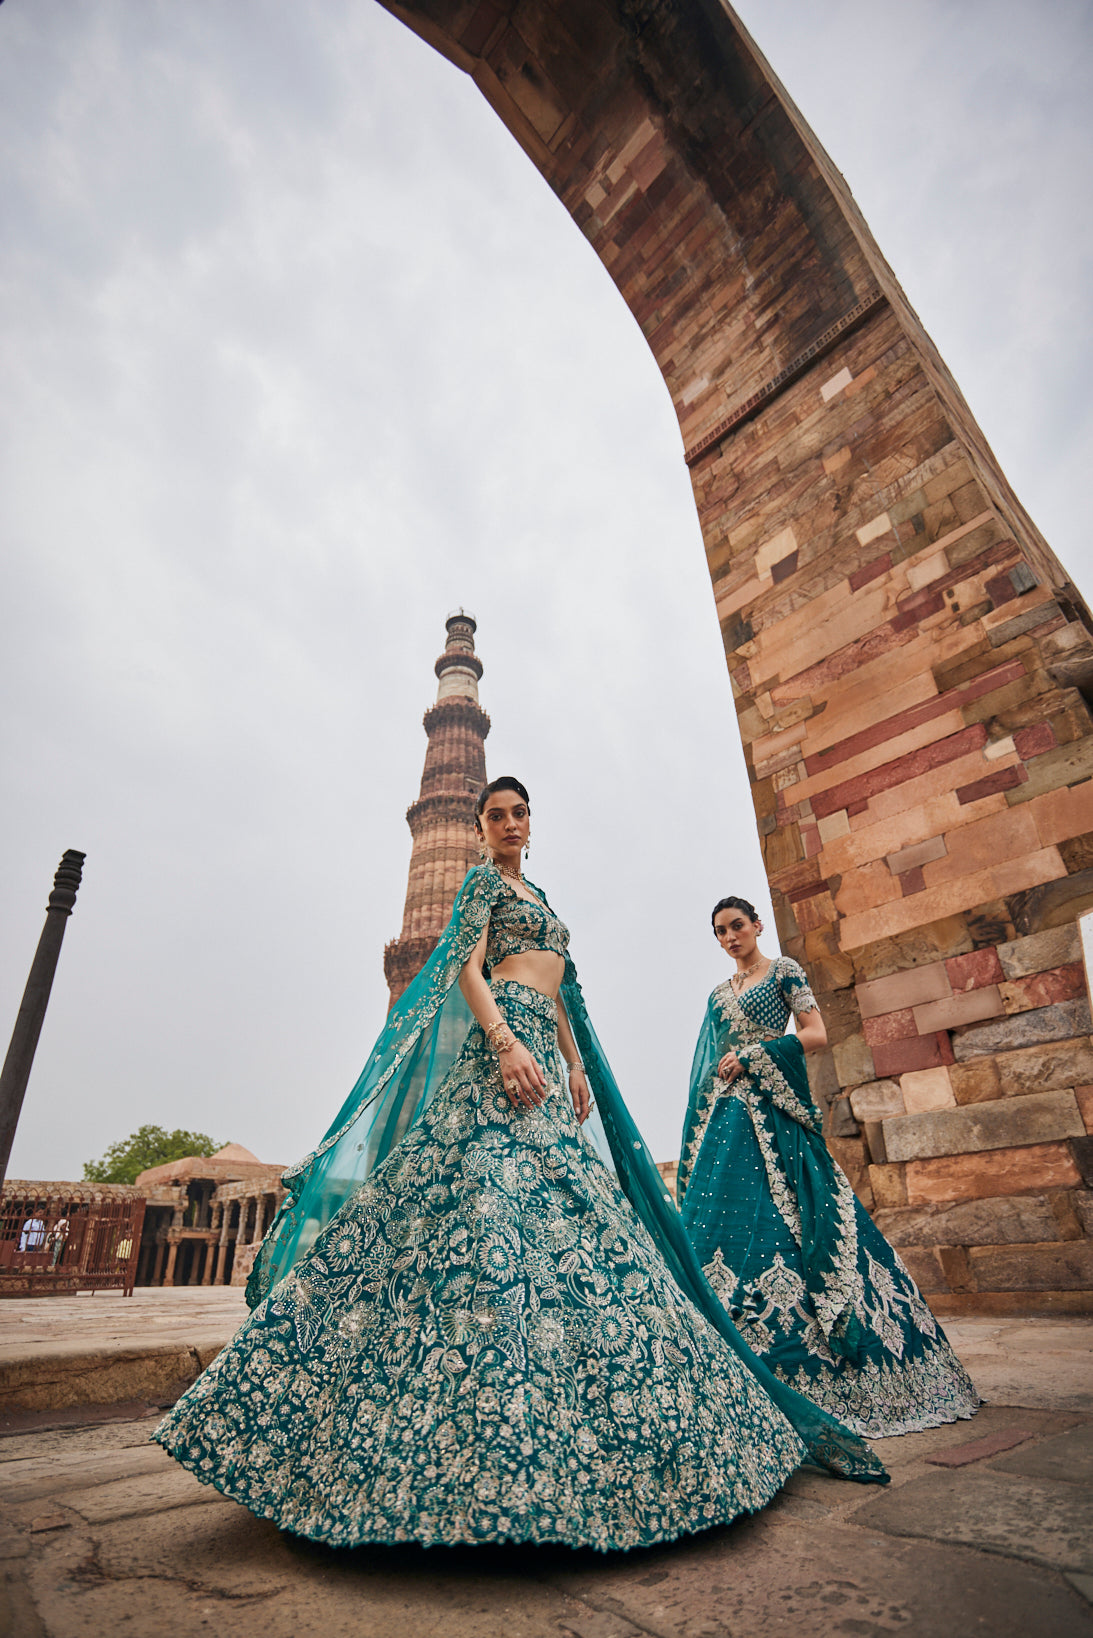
x,y
299,353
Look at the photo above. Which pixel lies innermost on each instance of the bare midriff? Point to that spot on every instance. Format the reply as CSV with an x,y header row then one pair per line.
x,y
540,970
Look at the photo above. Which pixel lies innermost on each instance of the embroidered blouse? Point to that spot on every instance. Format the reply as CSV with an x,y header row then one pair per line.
x,y
783,989
518,925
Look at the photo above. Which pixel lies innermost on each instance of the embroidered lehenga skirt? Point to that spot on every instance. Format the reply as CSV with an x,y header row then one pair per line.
x,y
742,1211
485,1345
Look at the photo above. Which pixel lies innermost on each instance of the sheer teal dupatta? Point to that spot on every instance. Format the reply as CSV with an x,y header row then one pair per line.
x,y
417,1046
420,1042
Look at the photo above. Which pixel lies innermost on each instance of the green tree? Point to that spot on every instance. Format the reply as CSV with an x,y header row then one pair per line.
x,y
150,1146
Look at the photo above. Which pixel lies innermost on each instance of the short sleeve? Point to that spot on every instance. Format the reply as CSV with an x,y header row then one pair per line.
x,y
794,985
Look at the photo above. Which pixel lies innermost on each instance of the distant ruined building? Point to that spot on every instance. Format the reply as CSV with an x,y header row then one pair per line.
x,y
196,1220
206,1217
441,821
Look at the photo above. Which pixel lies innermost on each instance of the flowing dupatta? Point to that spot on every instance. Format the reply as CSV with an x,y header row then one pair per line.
x,y
811,1193
424,1033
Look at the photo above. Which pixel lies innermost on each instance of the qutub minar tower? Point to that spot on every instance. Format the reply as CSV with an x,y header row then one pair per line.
x,y
441,821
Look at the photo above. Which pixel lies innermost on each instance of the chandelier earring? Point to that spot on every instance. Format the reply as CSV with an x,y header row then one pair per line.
x,y
527,845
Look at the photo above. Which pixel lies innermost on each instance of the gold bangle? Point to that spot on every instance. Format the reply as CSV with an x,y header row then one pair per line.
x,y
495,1036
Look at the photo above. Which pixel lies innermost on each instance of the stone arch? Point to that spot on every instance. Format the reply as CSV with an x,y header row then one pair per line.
x,y
909,661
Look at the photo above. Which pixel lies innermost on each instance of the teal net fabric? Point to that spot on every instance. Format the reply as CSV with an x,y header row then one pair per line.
x,y
420,1043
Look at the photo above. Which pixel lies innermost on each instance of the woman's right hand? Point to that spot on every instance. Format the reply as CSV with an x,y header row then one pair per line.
x,y
521,1077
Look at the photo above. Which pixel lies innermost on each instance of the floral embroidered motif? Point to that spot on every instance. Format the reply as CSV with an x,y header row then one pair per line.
x,y
520,924
828,1303
485,1345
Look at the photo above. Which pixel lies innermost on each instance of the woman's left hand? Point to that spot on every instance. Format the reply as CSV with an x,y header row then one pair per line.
x,y
729,1068
578,1091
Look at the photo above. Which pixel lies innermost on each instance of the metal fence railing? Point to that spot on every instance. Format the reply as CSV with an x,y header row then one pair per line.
x,y
59,1243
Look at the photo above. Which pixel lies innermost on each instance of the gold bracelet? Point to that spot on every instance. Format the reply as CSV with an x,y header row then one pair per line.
x,y
495,1037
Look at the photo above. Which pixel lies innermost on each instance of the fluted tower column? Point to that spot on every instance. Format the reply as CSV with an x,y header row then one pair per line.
x,y
441,821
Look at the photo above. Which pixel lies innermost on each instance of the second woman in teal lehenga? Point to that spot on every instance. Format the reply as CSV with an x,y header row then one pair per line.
x,y
466,1327
802,1270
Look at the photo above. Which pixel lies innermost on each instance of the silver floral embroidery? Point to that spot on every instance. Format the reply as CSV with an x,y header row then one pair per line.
x,y
921,1384
511,1360
882,1398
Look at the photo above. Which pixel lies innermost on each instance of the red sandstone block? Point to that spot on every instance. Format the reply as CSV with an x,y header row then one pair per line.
x,y
903,989
870,571
810,891
1004,780
992,1172
877,733
810,836
974,971
854,808
1044,989
1084,1095
814,678
1000,589
970,1007
977,1450
890,1026
1003,551
796,876
912,881
921,605
900,770
918,1052
1035,740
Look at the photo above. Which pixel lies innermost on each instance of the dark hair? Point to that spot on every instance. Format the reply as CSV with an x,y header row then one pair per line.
x,y
505,783
733,904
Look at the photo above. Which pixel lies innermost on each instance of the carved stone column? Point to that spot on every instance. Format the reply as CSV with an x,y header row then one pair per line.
x,y
222,1247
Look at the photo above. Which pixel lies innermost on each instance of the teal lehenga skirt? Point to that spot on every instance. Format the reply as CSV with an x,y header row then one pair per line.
x,y
484,1346
905,1377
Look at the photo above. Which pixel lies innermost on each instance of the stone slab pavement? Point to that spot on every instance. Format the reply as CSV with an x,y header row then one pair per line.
x,y
101,1531
58,1353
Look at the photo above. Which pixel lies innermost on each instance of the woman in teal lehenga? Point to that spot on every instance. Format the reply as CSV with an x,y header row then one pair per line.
x,y
802,1270
466,1326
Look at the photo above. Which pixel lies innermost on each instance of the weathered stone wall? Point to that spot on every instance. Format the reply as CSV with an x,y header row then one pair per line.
x,y
907,657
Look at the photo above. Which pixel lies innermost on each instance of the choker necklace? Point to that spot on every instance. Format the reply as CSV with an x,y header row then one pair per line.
x,y
738,978
513,875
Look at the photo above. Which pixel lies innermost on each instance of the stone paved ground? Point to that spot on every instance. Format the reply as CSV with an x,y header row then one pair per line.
x,y
101,1532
